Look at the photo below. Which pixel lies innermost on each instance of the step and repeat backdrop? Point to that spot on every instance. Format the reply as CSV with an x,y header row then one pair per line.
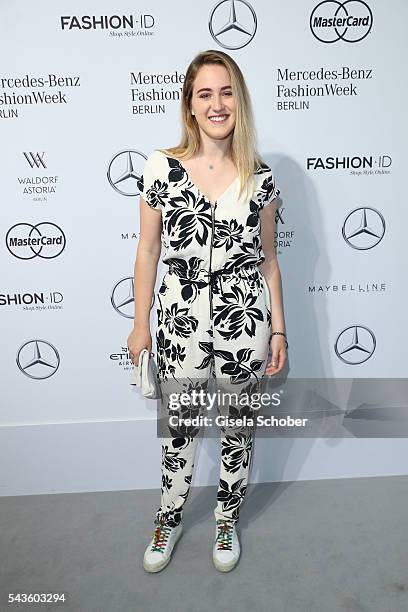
x,y
89,89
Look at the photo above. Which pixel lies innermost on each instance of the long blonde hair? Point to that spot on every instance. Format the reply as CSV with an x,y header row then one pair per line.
x,y
243,151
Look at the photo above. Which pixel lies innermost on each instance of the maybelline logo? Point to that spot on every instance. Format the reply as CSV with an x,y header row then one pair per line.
x,y
37,185
26,241
339,287
232,23
350,21
38,300
377,164
129,236
119,25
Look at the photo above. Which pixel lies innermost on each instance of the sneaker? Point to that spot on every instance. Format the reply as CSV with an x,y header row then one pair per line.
x,y
226,549
158,553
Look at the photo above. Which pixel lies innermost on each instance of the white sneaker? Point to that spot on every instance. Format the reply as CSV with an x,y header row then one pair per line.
x,y
158,553
226,548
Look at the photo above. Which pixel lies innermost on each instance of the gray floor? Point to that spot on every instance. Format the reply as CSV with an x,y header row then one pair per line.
x,y
322,546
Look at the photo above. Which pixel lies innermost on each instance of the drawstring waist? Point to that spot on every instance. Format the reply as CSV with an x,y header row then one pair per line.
x,y
202,277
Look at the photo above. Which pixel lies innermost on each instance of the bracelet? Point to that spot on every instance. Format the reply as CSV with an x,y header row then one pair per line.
x,y
276,333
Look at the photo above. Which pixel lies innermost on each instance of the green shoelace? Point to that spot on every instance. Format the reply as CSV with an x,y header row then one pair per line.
x,y
224,536
160,536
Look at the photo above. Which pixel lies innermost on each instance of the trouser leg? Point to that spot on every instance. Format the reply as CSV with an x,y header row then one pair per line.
x,y
242,328
237,445
179,446
181,332
236,459
176,474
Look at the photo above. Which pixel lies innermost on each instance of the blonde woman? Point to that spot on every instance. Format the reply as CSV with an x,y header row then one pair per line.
x,y
211,200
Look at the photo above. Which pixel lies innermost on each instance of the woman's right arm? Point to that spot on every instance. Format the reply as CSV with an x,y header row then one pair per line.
x,y
145,272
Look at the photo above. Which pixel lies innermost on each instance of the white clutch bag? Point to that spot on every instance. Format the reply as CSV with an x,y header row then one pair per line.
x,y
144,375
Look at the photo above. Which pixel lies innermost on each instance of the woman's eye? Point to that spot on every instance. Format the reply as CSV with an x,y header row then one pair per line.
x,y
207,95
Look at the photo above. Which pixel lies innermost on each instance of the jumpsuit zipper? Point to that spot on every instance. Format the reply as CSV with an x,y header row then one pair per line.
x,y
211,248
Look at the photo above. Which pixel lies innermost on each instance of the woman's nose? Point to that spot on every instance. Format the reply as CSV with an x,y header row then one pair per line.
x,y
217,103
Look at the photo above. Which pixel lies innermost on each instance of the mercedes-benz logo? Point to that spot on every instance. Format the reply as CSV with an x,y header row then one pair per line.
x,y
363,228
38,359
123,171
26,241
122,297
355,344
232,28
350,21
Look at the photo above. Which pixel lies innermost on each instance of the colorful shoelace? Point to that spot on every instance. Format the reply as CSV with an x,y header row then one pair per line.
x,y
160,537
224,536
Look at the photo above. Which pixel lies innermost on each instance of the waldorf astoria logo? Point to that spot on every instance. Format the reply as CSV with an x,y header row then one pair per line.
x,y
37,186
350,21
35,159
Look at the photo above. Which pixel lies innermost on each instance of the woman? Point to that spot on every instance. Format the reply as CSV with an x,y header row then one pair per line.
x,y
213,201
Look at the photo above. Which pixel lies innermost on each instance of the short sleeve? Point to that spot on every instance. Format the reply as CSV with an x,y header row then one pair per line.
x,y
269,188
149,183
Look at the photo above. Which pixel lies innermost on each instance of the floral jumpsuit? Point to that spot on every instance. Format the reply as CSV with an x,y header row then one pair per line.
x,y
213,317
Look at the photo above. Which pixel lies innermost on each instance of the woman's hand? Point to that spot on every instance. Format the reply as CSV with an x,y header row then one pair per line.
x,y
279,355
139,339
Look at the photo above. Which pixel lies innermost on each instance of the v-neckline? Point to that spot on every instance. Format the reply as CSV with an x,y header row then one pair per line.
x,y
200,193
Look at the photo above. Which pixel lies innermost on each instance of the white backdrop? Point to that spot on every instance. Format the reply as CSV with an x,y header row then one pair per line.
x,y
85,95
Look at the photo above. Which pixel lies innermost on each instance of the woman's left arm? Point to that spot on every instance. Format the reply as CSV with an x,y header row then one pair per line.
x,y
271,272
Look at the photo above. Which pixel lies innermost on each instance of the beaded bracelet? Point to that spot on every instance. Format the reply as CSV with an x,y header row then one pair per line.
x,y
276,333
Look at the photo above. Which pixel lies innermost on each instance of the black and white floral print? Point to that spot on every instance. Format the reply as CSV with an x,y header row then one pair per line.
x,y
213,316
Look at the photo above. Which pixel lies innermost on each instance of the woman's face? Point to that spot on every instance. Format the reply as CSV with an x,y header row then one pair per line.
x,y
213,102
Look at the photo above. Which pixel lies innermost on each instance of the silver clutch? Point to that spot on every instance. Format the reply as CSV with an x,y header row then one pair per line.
x,y
144,375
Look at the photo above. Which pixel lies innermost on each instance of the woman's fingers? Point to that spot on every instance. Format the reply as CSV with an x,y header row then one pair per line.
x,y
276,362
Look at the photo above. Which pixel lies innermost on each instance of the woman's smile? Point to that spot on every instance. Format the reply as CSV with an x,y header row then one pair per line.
x,y
218,118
